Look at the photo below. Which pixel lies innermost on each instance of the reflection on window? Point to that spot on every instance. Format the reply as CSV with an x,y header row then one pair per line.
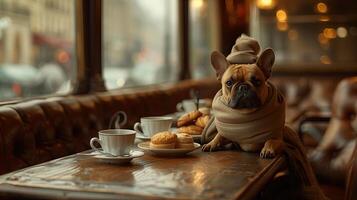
x,y
36,47
321,35
140,42
203,36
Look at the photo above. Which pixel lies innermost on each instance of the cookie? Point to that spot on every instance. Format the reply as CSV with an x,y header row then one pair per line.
x,y
184,141
163,140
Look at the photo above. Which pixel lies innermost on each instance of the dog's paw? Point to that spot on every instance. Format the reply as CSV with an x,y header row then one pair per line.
x,y
210,147
271,149
267,153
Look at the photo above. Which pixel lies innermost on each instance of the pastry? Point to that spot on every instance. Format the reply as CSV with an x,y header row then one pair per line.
x,y
202,121
188,118
191,129
184,141
163,140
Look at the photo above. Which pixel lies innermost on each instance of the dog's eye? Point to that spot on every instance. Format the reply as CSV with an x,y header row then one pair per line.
x,y
229,83
256,82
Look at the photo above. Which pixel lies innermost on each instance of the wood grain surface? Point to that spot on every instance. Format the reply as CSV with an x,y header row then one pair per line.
x,y
199,175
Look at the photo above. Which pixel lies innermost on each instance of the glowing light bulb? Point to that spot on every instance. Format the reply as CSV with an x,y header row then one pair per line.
x,y
321,7
341,32
329,33
281,15
324,18
197,4
265,4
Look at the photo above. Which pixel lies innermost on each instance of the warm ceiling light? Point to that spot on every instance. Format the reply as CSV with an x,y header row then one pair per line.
x,y
324,18
341,32
329,33
197,3
265,4
282,26
321,7
281,16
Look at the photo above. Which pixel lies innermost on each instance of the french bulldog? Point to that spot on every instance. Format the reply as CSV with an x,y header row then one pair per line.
x,y
245,89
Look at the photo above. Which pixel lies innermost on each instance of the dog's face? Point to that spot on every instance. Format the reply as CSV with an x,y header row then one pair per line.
x,y
244,86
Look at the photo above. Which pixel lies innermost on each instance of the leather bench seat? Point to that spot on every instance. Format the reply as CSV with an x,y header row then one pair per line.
x,y
36,131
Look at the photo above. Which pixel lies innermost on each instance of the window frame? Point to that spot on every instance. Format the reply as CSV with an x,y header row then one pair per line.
x,y
89,46
88,50
88,77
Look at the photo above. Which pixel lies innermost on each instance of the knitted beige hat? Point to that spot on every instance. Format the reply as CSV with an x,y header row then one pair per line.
x,y
244,51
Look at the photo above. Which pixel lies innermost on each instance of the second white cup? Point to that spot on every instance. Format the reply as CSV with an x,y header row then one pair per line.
x,y
148,126
189,105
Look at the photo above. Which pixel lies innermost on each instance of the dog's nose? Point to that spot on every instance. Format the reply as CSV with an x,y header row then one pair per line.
x,y
243,88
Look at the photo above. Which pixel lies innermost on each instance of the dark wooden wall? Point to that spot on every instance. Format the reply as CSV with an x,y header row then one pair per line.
x,y
234,20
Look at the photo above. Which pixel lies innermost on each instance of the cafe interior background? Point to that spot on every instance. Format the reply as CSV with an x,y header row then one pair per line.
x,y
133,44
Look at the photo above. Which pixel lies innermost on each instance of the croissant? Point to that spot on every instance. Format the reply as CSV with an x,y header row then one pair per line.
x,y
191,129
188,118
202,121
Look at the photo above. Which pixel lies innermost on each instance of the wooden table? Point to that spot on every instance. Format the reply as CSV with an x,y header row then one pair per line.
x,y
200,175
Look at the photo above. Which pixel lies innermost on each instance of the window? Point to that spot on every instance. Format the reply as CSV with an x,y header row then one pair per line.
x,y
140,42
204,30
306,35
36,47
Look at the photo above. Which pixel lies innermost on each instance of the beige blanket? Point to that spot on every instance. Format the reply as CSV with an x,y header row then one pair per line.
x,y
259,126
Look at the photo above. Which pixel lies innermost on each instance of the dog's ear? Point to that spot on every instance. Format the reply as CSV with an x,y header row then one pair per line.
x,y
220,64
265,62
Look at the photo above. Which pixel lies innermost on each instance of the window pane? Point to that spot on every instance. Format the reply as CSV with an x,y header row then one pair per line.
x,y
36,47
312,35
203,36
140,42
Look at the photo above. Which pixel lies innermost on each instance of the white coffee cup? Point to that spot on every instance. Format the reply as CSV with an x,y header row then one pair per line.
x,y
189,105
114,142
148,126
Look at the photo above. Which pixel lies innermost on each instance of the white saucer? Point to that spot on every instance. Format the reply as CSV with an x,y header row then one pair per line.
x,y
119,159
167,152
142,137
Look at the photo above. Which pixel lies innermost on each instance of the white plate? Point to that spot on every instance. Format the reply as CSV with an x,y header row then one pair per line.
x,y
167,152
119,159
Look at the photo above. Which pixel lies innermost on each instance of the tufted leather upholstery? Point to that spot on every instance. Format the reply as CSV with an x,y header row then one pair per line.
x,y
351,185
306,95
344,99
40,130
336,150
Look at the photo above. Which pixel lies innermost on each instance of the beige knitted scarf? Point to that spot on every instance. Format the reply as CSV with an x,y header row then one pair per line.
x,y
259,126
255,127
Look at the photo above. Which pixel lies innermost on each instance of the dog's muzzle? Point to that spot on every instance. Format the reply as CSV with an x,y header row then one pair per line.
x,y
244,97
